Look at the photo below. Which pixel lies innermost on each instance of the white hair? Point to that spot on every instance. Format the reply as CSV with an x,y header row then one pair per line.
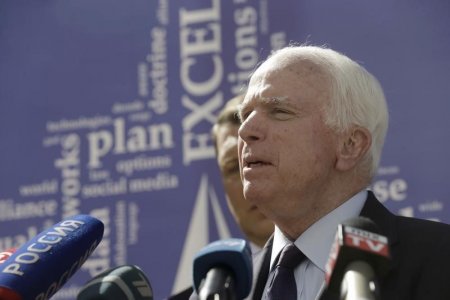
x,y
356,95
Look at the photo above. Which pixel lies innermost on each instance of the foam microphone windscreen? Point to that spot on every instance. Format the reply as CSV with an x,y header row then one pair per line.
x,y
233,255
126,282
357,239
41,266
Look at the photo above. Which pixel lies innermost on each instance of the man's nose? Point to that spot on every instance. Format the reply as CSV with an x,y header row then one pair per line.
x,y
252,129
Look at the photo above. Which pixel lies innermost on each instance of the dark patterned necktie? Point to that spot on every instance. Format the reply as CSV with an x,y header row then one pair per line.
x,y
282,284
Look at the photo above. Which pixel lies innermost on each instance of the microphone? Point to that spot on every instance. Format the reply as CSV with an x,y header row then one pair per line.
x,y
223,270
40,267
126,282
359,255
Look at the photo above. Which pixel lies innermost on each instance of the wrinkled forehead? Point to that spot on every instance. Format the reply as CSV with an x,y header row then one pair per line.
x,y
288,75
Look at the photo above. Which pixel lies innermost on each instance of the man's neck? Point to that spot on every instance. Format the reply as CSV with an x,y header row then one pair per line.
x,y
293,228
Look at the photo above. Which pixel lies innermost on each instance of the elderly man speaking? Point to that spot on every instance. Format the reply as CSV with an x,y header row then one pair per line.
x,y
312,132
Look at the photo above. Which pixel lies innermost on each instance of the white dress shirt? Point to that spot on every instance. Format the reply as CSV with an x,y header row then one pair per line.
x,y
315,243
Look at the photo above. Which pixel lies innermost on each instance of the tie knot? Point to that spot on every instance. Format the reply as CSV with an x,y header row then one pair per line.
x,y
290,257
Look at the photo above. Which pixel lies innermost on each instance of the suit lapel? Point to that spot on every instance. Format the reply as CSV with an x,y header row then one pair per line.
x,y
387,223
379,214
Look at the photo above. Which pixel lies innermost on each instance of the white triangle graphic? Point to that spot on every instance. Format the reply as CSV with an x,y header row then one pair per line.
x,y
196,238
222,227
198,232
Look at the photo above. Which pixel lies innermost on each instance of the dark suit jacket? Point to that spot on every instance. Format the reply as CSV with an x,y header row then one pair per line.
x,y
420,252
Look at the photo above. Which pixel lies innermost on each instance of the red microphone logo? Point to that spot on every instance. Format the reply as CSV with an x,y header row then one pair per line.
x,y
365,240
6,254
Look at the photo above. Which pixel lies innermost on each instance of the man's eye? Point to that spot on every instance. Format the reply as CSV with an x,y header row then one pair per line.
x,y
244,115
281,113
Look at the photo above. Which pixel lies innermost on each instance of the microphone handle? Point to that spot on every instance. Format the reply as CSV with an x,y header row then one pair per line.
x,y
359,282
218,285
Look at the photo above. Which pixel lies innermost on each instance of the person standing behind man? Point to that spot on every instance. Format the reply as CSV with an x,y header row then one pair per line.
x,y
254,225
313,127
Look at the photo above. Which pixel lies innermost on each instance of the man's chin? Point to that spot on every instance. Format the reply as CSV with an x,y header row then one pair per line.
x,y
256,195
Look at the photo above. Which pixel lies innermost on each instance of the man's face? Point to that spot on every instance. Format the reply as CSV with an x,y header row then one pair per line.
x,y
254,225
286,152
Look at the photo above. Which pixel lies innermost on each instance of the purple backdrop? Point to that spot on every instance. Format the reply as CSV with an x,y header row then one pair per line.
x,y
106,108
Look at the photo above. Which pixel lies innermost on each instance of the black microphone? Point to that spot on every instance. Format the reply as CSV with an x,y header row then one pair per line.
x,y
126,282
41,266
223,270
358,258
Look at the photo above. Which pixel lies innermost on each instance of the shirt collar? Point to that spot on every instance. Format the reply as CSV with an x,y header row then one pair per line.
x,y
316,241
255,249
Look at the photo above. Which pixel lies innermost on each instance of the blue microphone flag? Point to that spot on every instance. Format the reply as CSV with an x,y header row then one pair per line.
x,y
40,267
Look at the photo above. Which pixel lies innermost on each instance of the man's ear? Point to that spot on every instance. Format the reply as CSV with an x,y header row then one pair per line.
x,y
354,144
